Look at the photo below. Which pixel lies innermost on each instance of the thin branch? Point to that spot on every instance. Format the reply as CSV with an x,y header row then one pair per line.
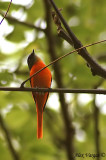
x,y
22,85
61,32
95,67
8,139
57,90
12,19
4,16
74,38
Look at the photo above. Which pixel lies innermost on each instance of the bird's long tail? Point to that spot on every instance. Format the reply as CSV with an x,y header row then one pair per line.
x,y
39,124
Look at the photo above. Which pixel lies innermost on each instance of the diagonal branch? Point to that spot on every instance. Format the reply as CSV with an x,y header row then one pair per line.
x,y
4,16
56,60
95,67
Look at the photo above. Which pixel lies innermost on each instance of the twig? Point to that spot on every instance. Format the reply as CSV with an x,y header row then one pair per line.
x,y
4,16
64,35
12,19
8,139
61,32
74,38
22,85
57,90
95,67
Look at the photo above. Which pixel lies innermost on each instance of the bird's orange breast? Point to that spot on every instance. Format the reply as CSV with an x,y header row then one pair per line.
x,y
43,78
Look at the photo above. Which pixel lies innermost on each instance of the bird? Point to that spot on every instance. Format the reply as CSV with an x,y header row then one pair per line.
x,y
41,80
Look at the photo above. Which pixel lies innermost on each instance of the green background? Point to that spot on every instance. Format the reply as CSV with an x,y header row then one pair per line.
x,y
87,19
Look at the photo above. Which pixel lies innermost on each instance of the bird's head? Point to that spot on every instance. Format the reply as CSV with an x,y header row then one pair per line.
x,y
32,58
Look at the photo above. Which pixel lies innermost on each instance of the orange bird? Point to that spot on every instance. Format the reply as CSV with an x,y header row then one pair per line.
x,y
41,80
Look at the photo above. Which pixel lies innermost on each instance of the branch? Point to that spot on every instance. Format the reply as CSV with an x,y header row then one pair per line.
x,y
8,139
57,90
4,16
56,60
67,120
95,67
65,36
96,129
12,19
96,113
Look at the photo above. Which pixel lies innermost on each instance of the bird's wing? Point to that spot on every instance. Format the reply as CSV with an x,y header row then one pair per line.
x,y
47,97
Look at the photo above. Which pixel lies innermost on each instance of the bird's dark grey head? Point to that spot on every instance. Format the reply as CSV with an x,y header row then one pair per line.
x,y
31,59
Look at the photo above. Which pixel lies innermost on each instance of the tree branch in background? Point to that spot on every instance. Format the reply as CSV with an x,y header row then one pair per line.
x,y
96,122
95,67
8,139
96,129
69,130
14,20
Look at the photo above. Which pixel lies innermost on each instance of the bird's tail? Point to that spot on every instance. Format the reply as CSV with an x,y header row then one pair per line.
x,y
39,124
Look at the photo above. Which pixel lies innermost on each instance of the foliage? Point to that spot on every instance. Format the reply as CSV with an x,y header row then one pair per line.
x,y
87,21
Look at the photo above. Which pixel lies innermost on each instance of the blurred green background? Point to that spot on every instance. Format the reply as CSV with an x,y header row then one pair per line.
x,y
25,29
